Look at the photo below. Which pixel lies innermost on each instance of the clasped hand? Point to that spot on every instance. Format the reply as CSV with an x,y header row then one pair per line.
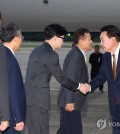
x,y
84,88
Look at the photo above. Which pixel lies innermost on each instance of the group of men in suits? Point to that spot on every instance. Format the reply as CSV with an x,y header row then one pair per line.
x,y
43,63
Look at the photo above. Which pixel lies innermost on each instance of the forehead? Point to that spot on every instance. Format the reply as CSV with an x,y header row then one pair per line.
x,y
87,35
103,34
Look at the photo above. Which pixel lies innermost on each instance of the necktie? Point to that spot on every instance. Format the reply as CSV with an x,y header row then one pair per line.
x,y
114,66
114,74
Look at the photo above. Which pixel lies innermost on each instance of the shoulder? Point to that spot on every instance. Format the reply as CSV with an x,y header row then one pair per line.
x,y
42,50
9,53
106,55
101,53
92,54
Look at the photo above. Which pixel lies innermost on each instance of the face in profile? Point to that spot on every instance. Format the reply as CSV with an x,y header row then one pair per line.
x,y
87,41
18,40
59,41
106,42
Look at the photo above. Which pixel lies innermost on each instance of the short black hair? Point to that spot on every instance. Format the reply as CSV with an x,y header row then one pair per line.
x,y
97,46
9,31
54,30
79,34
112,31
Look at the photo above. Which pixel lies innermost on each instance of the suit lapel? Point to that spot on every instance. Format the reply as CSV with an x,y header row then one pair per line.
x,y
80,53
82,56
109,65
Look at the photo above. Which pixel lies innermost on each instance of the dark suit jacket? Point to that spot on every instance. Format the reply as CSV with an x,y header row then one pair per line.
x,y
43,63
17,91
106,74
74,68
4,88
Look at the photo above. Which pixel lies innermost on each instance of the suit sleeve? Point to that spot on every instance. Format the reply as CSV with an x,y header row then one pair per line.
x,y
4,87
100,79
53,64
14,90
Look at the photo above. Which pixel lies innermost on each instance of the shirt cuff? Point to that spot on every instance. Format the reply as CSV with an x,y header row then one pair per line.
x,y
78,87
90,89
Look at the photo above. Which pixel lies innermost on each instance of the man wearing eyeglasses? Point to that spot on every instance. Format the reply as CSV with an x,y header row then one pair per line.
x,y
43,63
11,38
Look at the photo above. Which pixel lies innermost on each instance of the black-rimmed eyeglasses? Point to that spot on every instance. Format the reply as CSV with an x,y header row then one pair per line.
x,y
62,38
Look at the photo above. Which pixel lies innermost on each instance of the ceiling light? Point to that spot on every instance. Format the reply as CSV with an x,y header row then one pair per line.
x,y
45,2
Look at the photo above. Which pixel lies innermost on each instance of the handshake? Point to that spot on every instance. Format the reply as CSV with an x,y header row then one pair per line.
x,y
84,88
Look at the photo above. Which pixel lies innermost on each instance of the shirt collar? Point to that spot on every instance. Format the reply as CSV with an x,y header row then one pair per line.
x,y
117,50
83,52
10,49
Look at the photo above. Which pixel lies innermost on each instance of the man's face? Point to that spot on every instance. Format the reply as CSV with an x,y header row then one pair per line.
x,y
18,42
106,42
87,42
96,49
59,41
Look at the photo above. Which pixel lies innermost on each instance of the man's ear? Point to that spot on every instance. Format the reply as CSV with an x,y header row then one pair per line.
x,y
15,39
54,38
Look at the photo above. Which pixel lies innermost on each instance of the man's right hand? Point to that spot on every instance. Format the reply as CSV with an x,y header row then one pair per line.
x,y
19,126
4,125
69,107
84,88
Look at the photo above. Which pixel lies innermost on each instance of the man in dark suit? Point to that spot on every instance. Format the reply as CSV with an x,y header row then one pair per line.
x,y
96,60
43,63
75,68
12,38
4,88
110,71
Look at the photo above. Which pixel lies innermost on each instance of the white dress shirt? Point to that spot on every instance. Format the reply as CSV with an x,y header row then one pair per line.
x,y
116,54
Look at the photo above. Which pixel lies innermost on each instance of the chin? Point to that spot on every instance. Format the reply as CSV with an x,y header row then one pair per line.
x,y
104,49
90,48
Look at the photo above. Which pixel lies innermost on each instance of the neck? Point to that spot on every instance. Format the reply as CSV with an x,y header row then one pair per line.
x,y
8,45
114,48
50,43
81,48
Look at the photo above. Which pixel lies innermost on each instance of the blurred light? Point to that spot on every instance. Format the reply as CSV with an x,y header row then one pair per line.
x,y
68,34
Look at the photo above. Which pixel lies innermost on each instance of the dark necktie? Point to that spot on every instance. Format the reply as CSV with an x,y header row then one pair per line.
x,y
114,66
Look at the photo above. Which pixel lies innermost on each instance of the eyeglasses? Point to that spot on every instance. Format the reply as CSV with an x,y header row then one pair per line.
x,y
62,38
22,37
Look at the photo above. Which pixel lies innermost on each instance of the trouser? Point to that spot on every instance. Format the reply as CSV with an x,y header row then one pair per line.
x,y
116,120
70,122
37,120
93,75
11,131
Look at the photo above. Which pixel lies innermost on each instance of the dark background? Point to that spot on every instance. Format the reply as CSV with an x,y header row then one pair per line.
x,y
39,36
